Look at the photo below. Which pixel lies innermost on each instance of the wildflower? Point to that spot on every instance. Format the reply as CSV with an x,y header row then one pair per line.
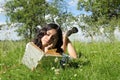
x,y
81,69
75,75
57,71
56,59
52,68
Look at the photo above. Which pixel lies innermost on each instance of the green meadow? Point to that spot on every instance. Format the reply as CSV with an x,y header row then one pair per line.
x,y
97,61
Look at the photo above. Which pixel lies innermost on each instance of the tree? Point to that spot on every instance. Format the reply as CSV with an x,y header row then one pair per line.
x,y
28,12
101,8
31,13
105,13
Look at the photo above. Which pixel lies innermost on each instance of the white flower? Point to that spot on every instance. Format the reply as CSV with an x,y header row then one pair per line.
x,y
57,71
56,59
52,68
75,75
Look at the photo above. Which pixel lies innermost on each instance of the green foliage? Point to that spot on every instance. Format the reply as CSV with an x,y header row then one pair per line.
x,y
101,8
98,61
105,14
28,12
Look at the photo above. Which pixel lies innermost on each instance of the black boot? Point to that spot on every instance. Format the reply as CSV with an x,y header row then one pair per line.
x,y
73,30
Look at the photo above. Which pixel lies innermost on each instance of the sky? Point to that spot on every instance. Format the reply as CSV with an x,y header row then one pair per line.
x,y
72,7
2,14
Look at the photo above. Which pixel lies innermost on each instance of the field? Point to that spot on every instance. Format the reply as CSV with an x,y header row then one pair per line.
x,y
97,61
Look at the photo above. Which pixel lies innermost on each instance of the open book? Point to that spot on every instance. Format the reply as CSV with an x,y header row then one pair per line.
x,y
34,54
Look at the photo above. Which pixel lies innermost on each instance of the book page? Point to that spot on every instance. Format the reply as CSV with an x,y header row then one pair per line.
x,y
32,55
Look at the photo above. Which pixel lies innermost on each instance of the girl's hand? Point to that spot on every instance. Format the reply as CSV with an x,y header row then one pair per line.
x,y
48,47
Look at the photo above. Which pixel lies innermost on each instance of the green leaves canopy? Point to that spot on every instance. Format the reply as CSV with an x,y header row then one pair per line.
x,y
105,13
100,8
30,13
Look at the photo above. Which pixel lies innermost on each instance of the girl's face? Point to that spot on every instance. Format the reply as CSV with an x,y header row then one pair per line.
x,y
49,38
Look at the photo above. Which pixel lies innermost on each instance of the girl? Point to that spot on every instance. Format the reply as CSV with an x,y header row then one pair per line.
x,y
50,37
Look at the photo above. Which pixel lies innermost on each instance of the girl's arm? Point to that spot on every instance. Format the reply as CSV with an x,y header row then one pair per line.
x,y
67,46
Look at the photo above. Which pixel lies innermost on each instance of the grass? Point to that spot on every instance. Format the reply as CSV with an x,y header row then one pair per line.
x,y
98,61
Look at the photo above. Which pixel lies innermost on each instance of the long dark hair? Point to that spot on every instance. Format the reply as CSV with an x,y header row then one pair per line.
x,y
43,31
